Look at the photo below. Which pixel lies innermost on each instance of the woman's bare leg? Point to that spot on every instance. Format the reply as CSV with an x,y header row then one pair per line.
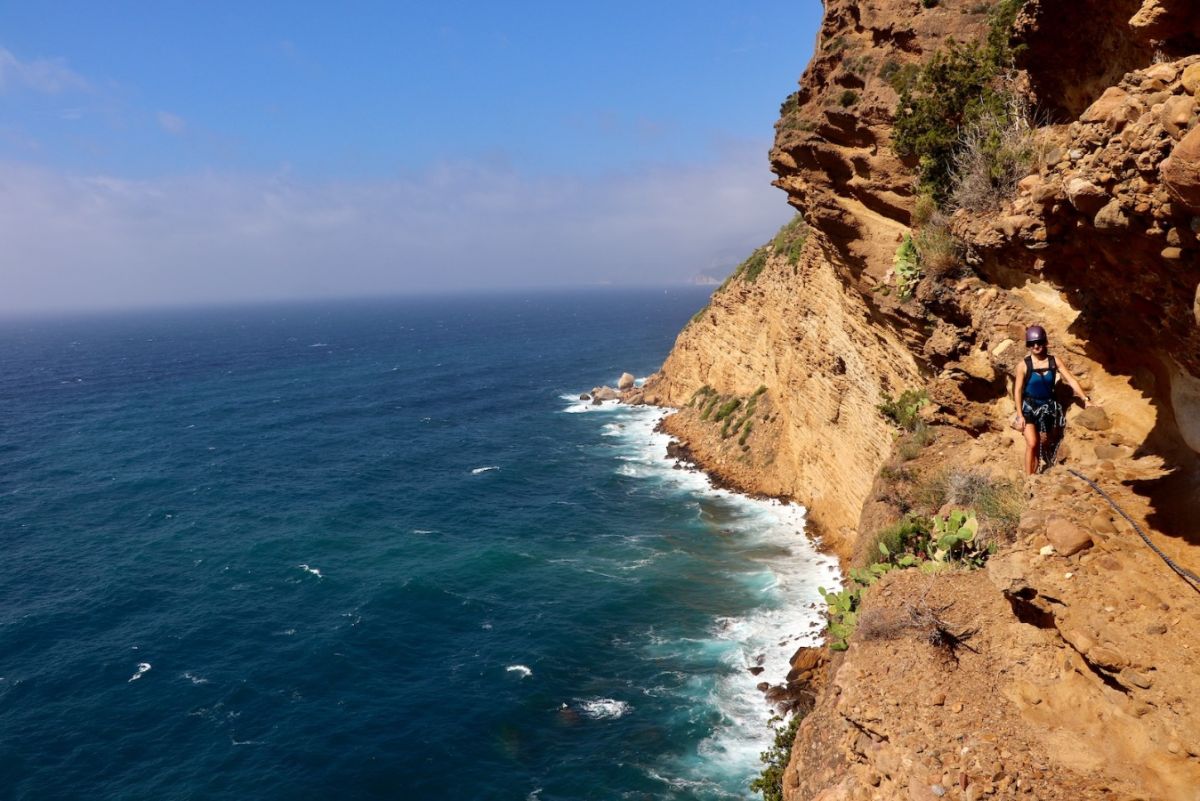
x,y
1031,449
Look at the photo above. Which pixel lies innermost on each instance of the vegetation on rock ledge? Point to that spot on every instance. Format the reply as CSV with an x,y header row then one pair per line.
x,y
954,90
770,781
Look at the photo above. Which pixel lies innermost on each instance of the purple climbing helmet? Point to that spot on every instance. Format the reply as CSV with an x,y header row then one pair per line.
x,y
1035,333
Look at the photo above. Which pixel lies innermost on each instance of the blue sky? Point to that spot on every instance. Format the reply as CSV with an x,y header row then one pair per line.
x,y
173,152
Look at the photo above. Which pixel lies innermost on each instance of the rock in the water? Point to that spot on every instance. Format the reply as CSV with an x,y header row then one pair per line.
x,y
585,396
625,382
1066,537
605,393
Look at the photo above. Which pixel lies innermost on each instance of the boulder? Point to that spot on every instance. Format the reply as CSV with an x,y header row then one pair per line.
x,y
1086,196
1175,114
1111,217
1111,101
1191,79
625,381
807,658
1066,537
604,393
1180,171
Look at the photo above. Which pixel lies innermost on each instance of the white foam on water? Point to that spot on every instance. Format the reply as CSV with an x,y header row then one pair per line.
x,y
316,572
423,531
520,670
604,708
141,671
578,406
193,678
785,578
476,471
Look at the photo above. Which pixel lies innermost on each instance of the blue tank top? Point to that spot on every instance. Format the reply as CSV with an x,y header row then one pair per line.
x,y
1039,384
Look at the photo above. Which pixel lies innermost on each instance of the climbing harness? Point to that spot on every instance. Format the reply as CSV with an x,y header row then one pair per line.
x,y
1191,578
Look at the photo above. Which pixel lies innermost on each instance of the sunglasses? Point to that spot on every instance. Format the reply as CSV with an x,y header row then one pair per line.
x,y
1035,343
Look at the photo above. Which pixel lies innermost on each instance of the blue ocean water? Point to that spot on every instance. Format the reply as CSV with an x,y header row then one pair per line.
x,y
376,550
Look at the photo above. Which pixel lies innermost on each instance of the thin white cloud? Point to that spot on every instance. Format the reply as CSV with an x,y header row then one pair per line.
x,y
171,123
102,241
45,75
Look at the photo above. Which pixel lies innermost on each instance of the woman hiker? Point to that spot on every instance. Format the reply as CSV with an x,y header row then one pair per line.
x,y
1039,416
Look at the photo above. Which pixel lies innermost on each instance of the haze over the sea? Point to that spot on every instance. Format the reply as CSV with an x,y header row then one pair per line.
x,y
166,154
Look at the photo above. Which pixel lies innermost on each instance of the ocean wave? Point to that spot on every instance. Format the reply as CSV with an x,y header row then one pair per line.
x,y
520,670
141,671
477,470
578,406
315,571
605,708
785,571
193,678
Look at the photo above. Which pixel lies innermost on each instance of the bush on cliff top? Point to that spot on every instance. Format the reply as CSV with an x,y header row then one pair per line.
x,y
788,242
958,86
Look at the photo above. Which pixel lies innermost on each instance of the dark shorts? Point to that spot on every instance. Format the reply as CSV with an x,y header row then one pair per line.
x,y
1046,415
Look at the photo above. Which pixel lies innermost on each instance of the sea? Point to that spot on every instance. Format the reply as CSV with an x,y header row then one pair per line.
x,y
378,550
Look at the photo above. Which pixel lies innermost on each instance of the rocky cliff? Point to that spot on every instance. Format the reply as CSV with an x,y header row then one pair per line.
x,y
1064,668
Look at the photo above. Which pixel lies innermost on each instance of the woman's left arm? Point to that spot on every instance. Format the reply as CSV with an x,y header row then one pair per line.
x,y
1074,385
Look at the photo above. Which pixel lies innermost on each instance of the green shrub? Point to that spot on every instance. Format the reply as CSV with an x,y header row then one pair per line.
x,y
994,152
848,98
775,760
708,407
790,240
907,266
728,408
939,251
753,266
698,316
746,429
701,395
905,410
955,88
923,209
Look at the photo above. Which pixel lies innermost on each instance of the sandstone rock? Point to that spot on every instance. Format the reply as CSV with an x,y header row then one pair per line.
x,y
625,381
807,658
1066,537
1180,171
1172,253
1113,98
1107,657
1165,72
604,393
1086,196
1111,217
1130,677
1004,347
1191,79
585,396
1152,20
1175,114
1093,419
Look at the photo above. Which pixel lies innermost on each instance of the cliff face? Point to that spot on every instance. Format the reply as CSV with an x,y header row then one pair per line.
x,y
1080,680
799,331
